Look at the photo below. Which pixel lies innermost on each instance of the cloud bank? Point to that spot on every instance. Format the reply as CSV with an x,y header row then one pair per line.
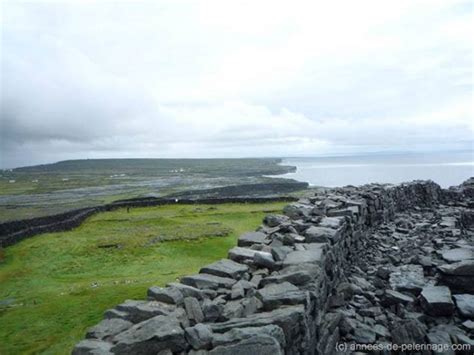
x,y
92,79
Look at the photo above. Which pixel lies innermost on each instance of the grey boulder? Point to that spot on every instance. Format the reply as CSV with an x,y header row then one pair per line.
x,y
92,347
203,281
151,336
318,234
275,295
436,301
225,268
250,238
465,305
108,328
407,278
170,295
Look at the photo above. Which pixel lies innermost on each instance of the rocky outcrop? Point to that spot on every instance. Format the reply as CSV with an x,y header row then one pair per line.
x,y
370,265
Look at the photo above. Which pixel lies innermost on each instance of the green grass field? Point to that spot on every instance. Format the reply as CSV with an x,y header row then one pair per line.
x,y
55,286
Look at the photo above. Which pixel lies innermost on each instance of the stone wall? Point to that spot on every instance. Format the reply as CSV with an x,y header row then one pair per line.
x,y
16,231
280,287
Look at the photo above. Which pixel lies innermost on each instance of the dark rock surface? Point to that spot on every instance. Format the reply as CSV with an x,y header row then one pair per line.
x,y
375,264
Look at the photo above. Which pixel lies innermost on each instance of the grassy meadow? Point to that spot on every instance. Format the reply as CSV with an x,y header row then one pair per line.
x,y
54,286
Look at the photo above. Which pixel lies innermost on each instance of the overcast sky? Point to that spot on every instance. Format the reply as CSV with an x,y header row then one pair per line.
x,y
93,79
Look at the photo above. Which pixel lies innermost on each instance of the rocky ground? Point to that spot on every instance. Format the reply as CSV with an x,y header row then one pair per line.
x,y
376,269
412,283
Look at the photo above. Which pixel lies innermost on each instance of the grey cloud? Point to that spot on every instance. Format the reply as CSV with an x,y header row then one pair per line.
x,y
124,79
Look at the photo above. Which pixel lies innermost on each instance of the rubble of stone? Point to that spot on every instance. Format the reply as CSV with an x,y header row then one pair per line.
x,y
368,265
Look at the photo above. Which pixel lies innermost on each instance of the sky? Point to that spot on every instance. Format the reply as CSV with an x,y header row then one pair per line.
x,y
185,79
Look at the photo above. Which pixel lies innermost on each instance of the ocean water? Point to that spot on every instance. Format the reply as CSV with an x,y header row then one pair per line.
x,y
446,168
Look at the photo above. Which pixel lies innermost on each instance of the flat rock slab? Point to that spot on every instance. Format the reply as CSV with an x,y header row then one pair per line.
x,y
448,222
92,346
239,254
225,268
170,295
436,301
465,305
188,291
458,254
274,220
392,297
287,318
193,309
138,311
250,238
238,334
318,234
459,277
151,336
408,278
363,334
199,336
259,344
275,295
203,281
304,256
462,268
409,331
332,222
296,278
264,259
107,328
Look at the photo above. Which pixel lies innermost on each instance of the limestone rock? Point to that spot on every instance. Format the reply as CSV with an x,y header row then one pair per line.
x,y
250,238
107,328
409,332
264,259
203,281
407,278
199,336
458,254
188,291
225,268
239,254
274,220
296,278
238,334
167,295
304,256
462,268
392,297
138,311
318,234
332,222
465,305
193,310
275,295
459,276
440,337
436,301
151,336
259,344
92,347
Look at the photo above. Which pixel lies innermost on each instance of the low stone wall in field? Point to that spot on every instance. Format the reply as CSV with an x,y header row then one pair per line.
x,y
349,266
16,231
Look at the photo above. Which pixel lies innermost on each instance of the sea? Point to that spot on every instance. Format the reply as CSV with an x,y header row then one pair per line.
x,y
445,168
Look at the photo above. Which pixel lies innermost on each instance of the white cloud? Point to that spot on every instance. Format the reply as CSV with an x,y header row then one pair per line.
x,y
188,79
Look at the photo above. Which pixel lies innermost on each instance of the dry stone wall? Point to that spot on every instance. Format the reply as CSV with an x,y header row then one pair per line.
x,y
353,265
